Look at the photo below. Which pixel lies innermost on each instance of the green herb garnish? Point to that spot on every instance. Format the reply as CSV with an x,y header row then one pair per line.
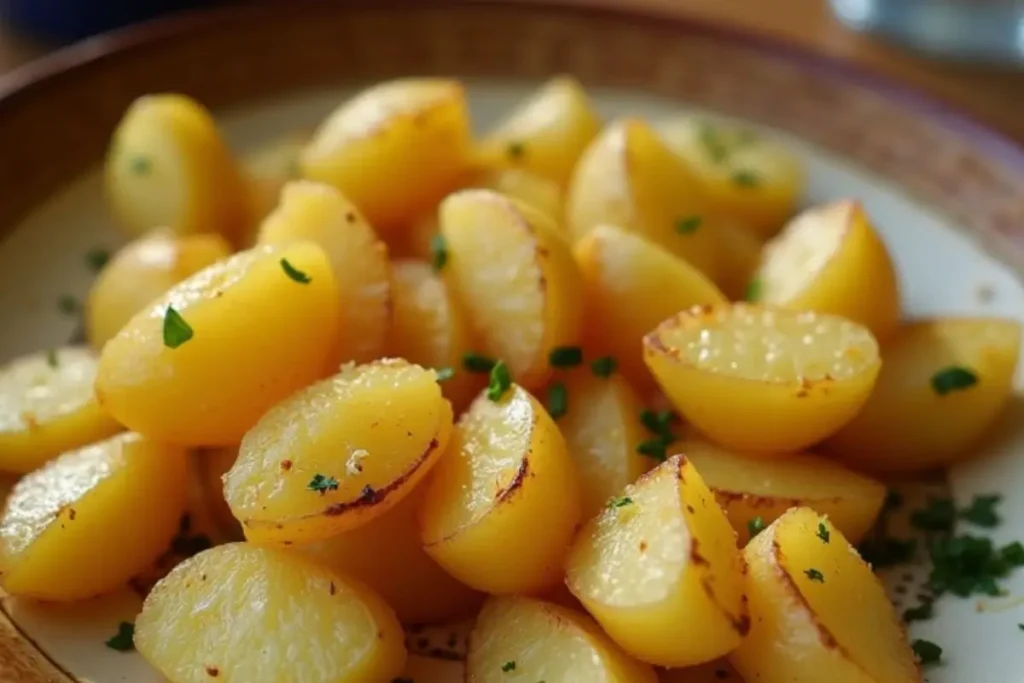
x,y
67,304
982,511
938,515
438,252
444,374
500,382
475,362
322,484
619,502
953,378
815,575
886,551
713,144
922,612
753,291
176,330
294,273
823,532
688,225
558,400
124,641
51,358
966,565
565,357
516,150
604,366
656,448
509,666
755,526
97,258
140,165
745,178
927,652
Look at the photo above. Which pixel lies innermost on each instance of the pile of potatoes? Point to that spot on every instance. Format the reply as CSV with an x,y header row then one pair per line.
x,y
545,379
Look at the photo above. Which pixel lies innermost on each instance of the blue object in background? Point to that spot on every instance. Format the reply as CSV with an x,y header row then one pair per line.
x,y
64,21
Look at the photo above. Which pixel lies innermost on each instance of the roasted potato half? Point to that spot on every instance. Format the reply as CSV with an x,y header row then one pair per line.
x,y
546,134
943,383
320,214
627,177
795,378
813,264
339,453
200,365
504,502
56,540
394,149
516,278
522,639
168,166
235,611
143,271
659,570
47,407
802,576
754,491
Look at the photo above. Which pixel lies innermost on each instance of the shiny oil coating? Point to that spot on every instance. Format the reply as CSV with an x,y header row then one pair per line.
x,y
34,391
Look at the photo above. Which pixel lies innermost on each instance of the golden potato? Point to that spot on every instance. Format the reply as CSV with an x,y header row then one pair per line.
x,y
811,265
751,487
802,576
47,407
659,570
627,177
143,271
236,611
515,276
200,365
630,285
168,166
504,501
747,177
267,169
394,149
739,255
943,384
318,213
602,430
762,379
522,639
339,453
547,133
88,521
386,554
712,672
429,329
212,465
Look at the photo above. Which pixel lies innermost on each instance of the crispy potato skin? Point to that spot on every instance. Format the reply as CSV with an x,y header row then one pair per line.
x,y
277,333
55,534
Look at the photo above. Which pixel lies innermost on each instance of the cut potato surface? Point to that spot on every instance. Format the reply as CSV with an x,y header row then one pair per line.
x,y
795,378
816,261
944,382
55,534
168,166
525,640
547,133
430,329
244,334
627,177
602,430
387,555
659,570
338,453
516,278
394,149
748,487
803,578
233,613
630,285
143,271
47,407
504,502
318,213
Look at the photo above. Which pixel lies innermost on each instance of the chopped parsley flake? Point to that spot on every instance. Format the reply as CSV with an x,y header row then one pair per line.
x,y
982,511
688,225
176,330
927,652
67,304
516,150
509,666
604,366
619,502
140,165
713,144
558,400
745,178
886,551
124,641
438,252
656,448
965,565
815,575
755,526
938,515
922,612
823,532
444,374
500,381
322,484
565,357
97,258
753,291
475,362
51,358
953,378
294,273
659,424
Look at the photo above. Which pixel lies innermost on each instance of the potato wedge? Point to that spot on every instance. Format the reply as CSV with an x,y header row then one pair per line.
x,y
630,285
943,383
547,133
802,574
659,570
212,465
168,166
748,487
319,213
429,329
522,639
55,534
234,612
394,149
504,501
47,407
627,177
244,334
794,378
339,453
602,430
399,570
713,672
143,271
811,265
515,276
748,178
267,169
739,255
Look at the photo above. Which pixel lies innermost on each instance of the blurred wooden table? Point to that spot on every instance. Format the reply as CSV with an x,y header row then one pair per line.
x,y
992,95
